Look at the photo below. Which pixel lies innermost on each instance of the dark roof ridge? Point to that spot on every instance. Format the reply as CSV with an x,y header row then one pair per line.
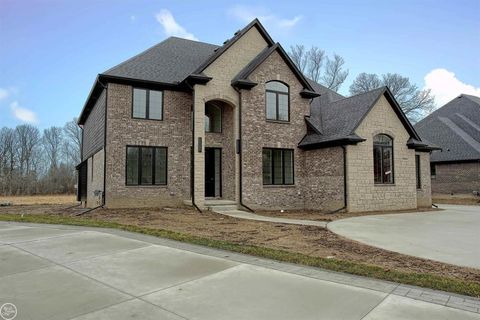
x,y
382,88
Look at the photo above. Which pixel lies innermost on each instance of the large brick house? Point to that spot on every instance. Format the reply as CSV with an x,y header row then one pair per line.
x,y
186,121
455,128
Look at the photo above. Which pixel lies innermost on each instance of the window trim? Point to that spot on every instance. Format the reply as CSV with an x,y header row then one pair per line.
x,y
277,93
147,106
283,167
381,153
418,171
221,118
154,154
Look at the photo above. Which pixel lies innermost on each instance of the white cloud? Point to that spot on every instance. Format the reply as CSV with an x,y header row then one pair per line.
x,y
3,93
247,14
23,114
445,86
171,27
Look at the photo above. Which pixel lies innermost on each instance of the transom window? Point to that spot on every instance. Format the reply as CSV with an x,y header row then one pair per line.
x,y
383,159
146,166
213,118
277,166
147,104
277,101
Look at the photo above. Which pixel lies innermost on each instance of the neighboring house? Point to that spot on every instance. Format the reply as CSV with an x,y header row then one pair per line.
x,y
455,128
186,121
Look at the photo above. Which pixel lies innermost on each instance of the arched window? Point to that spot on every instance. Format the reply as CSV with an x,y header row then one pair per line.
x,y
213,118
277,101
383,159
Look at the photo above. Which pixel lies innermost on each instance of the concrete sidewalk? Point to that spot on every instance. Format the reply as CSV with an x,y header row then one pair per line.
x,y
64,272
252,216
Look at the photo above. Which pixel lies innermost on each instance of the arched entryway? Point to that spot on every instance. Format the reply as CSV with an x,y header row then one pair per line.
x,y
219,150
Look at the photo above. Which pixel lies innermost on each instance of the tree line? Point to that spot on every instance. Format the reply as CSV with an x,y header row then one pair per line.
x,y
39,162
331,73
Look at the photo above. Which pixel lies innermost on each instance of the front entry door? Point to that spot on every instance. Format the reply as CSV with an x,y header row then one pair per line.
x,y
213,172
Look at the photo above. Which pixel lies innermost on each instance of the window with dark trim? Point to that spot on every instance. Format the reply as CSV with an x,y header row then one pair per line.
x,y
417,171
277,100
433,170
278,166
146,166
213,118
383,159
147,104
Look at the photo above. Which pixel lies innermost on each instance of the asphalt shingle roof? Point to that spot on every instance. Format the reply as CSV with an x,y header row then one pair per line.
x,y
170,61
455,128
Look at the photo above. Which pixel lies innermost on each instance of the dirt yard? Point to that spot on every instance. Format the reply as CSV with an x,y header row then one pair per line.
x,y
309,240
464,199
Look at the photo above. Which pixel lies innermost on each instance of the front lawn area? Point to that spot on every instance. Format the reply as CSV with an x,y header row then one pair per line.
x,y
308,245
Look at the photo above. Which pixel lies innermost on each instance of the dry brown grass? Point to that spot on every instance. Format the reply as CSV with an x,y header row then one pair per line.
x,y
464,199
43,199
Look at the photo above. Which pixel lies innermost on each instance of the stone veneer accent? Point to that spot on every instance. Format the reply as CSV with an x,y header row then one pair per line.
x,y
363,194
424,195
173,132
95,179
222,71
456,178
226,141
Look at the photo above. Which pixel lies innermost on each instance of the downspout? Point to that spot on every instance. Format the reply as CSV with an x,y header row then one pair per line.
x,y
105,87
240,150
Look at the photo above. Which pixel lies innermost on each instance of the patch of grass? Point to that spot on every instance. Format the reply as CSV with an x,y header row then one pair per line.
x,y
425,280
40,199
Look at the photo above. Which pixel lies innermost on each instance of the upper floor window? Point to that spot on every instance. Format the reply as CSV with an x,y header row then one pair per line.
x,y
147,104
277,101
213,118
383,159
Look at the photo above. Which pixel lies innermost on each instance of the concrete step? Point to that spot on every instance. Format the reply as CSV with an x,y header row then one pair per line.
x,y
223,208
219,202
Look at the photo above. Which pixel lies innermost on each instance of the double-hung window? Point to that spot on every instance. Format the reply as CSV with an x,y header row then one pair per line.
x,y
277,166
383,159
147,104
146,166
277,101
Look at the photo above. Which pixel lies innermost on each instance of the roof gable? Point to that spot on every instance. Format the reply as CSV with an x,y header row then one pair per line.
x,y
241,79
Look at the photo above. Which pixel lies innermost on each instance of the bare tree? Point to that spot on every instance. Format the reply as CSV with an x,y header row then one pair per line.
x,y
311,64
334,74
299,56
28,138
52,143
315,63
73,141
365,82
413,101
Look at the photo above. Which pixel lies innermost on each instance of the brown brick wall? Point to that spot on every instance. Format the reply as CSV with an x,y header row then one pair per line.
x,y
324,180
174,132
257,133
457,178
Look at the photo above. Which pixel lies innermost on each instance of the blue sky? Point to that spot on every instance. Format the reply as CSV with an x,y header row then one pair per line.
x,y
51,51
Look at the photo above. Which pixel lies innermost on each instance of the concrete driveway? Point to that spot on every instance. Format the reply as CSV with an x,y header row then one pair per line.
x,y
451,236
60,272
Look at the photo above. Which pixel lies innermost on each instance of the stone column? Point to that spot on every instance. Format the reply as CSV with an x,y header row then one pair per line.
x,y
199,146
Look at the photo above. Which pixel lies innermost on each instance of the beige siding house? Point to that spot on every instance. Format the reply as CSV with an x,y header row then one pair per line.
x,y
185,122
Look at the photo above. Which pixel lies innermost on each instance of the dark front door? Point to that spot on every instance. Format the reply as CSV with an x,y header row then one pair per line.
x,y
213,172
